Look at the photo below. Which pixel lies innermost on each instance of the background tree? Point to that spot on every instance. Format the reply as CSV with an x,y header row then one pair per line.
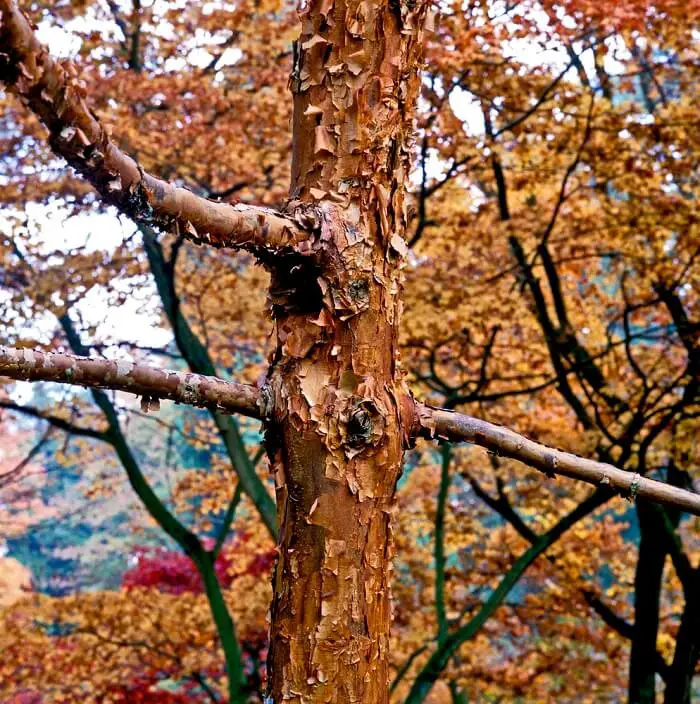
x,y
577,205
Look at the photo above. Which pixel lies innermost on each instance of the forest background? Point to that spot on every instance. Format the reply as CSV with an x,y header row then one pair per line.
x,y
551,286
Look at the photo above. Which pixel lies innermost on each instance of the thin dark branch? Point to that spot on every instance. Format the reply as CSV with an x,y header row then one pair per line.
x,y
621,627
440,658
7,478
570,170
406,667
503,507
228,520
55,421
536,105
439,542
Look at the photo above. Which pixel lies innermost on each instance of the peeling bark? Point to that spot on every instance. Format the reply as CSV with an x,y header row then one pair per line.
x,y
54,92
335,441
150,383
439,423
336,433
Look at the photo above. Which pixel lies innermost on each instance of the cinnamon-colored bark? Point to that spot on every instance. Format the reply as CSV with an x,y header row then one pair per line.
x,y
56,95
150,383
336,435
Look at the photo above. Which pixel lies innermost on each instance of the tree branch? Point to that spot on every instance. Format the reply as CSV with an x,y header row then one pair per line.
x,y
228,520
149,382
621,627
570,171
440,658
406,667
439,547
190,544
502,506
536,105
527,277
199,361
435,422
56,95
55,421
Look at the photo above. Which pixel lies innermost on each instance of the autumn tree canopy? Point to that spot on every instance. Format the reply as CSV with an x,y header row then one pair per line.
x,y
423,244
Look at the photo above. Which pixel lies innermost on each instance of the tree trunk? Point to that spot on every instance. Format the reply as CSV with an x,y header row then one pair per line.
x,y
334,393
647,595
679,683
337,412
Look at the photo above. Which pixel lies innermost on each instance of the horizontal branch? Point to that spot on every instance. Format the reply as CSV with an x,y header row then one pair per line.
x,y
449,425
54,92
207,391
149,382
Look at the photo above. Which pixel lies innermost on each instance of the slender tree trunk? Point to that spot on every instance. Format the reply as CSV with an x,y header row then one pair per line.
x,y
199,361
337,412
335,430
647,595
188,542
680,677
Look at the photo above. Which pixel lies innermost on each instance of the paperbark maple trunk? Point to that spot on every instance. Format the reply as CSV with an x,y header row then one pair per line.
x,y
334,392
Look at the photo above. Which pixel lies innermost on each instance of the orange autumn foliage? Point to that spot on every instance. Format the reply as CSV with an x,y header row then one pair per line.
x,y
555,240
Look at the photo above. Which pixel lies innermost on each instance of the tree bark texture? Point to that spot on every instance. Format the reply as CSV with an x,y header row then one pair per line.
x,y
335,434
336,409
151,383
55,93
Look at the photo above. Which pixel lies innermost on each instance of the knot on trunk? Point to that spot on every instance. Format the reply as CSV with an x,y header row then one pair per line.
x,y
359,426
358,290
365,425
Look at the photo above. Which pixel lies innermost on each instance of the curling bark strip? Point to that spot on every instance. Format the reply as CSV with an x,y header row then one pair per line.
x,y
150,383
336,408
54,92
335,435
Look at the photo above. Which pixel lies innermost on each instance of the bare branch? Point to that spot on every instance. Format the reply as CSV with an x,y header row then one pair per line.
x,y
536,105
621,627
54,92
149,382
502,506
453,426
439,544
228,520
55,421
14,474
570,171
441,656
